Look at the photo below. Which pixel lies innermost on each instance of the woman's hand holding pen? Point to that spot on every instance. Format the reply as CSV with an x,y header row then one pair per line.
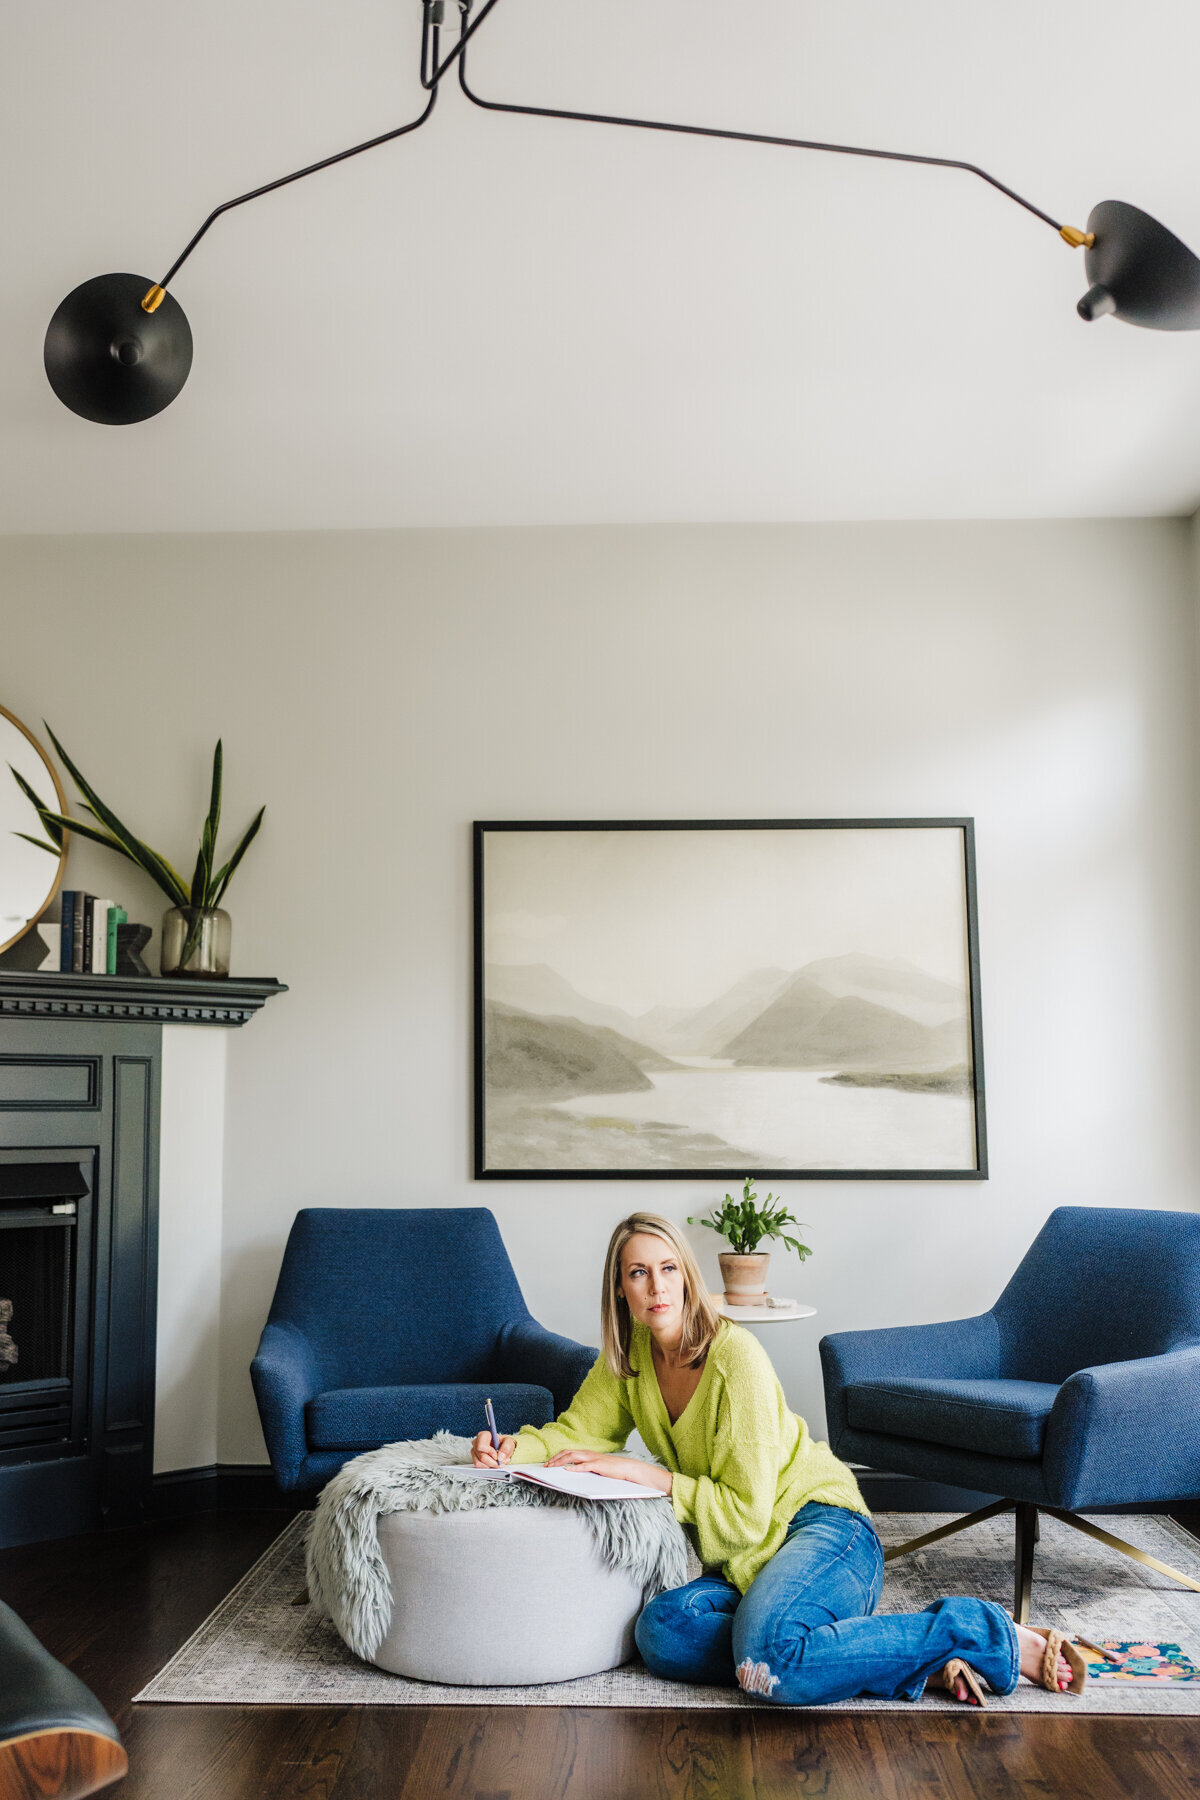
x,y
485,1456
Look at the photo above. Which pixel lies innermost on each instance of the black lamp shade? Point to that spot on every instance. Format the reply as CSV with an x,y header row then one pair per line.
x,y
111,362
1139,271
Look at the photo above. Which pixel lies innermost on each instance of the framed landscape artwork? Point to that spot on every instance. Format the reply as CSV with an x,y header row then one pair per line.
x,y
792,998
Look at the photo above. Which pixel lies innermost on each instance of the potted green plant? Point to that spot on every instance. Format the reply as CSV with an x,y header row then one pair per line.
x,y
744,1224
196,932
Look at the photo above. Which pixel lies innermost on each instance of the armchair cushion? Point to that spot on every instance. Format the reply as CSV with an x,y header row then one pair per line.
x,y
368,1417
968,1347
999,1418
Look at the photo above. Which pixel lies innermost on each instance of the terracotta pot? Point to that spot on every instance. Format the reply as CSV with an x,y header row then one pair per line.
x,y
745,1277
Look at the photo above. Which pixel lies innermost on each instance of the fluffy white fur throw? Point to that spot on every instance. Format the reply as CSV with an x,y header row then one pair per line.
x,y
347,1578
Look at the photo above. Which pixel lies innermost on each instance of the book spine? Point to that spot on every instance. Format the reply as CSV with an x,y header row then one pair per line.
x,y
77,933
99,962
116,916
89,926
68,930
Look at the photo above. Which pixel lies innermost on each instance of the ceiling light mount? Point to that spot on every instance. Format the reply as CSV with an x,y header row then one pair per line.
x,y
117,359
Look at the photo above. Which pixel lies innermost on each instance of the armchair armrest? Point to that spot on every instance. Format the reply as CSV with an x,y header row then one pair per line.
x,y
966,1349
284,1373
526,1351
1126,1432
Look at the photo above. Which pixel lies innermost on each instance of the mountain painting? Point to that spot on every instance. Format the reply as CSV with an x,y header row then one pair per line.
x,y
793,998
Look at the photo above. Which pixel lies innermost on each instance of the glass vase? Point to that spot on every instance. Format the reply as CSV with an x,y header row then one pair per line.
x,y
195,941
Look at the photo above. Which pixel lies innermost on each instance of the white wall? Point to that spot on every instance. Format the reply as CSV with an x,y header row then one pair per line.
x,y
189,1246
379,691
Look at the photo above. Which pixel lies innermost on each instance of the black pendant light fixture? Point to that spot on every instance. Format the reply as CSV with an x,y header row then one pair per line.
x,y
112,359
119,348
1139,271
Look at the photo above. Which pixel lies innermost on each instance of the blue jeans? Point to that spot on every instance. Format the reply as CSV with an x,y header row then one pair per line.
x,y
803,1635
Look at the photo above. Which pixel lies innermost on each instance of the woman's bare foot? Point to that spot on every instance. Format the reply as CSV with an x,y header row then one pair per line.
x,y
1033,1654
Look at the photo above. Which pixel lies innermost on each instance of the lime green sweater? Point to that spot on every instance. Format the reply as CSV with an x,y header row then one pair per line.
x,y
742,1463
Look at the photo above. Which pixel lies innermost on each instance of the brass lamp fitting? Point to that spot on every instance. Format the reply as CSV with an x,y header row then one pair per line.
x,y
1078,240
153,298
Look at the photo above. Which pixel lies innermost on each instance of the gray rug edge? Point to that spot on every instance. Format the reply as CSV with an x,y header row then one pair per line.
x,y
1143,1701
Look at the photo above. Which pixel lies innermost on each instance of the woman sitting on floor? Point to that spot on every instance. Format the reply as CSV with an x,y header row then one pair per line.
x,y
789,1615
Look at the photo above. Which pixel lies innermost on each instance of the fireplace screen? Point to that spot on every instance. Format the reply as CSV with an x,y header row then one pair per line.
x,y
35,1303
38,1209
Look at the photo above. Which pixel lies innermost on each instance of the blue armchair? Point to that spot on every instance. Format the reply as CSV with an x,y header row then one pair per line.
x,y
1077,1390
390,1324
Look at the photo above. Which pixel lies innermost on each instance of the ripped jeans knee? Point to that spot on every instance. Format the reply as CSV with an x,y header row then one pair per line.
x,y
762,1662
771,1660
756,1678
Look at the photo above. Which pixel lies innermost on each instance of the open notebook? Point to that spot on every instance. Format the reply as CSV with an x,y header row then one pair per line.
x,y
567,1481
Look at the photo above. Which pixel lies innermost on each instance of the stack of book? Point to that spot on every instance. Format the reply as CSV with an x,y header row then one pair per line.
x,y
88,944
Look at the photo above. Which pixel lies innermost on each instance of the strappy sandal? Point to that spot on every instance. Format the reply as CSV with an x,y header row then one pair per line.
x,y
1058,1644
957,1670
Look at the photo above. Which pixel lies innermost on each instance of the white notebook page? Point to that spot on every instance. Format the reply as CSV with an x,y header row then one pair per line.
x,y
568,1481
587,1487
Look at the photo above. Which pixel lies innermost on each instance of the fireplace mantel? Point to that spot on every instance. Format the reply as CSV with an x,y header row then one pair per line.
x,y
158,999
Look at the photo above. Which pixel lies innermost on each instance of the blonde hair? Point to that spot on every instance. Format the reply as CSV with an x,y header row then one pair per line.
x,y
701,1320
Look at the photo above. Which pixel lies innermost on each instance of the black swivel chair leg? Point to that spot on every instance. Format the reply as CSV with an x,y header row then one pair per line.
x,y
1027,1536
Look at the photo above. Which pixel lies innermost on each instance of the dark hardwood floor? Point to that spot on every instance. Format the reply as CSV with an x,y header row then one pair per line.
x,y
115,1606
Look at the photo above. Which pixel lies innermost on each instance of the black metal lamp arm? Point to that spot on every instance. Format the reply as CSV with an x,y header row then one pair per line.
x,y
1072,236
432,70
269,187
431,74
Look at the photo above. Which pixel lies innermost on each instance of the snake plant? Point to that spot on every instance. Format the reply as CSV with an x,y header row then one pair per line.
x,y
54,832
208,884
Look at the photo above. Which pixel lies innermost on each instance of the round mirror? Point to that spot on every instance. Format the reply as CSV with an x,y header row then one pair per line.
x,y
29,872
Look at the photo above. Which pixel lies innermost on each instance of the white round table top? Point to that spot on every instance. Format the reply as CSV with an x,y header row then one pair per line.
x,y
764,1315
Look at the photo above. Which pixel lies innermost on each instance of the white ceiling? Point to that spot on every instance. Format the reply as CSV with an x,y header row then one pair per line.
x,y
512,321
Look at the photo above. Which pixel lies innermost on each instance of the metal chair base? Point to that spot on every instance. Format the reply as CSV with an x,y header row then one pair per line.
x,y
1026,1538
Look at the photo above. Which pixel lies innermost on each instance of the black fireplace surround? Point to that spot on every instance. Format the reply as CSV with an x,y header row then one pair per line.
x,y
80,1067
79,1129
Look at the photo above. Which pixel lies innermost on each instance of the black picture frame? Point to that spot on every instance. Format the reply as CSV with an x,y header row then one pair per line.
x,y
977,1171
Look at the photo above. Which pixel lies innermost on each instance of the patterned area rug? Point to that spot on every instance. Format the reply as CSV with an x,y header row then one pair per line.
x,y
259,1649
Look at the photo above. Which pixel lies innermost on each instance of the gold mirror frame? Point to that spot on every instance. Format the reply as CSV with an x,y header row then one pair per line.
x,y
62,807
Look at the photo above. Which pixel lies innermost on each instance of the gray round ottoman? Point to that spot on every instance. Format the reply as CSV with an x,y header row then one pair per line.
x,y
502,1597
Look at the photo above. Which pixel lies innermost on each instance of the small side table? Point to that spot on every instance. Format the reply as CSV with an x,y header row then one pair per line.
x,y
763,1315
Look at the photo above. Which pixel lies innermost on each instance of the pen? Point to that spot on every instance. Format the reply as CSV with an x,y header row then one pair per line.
x,y
1099,1649
491,1419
